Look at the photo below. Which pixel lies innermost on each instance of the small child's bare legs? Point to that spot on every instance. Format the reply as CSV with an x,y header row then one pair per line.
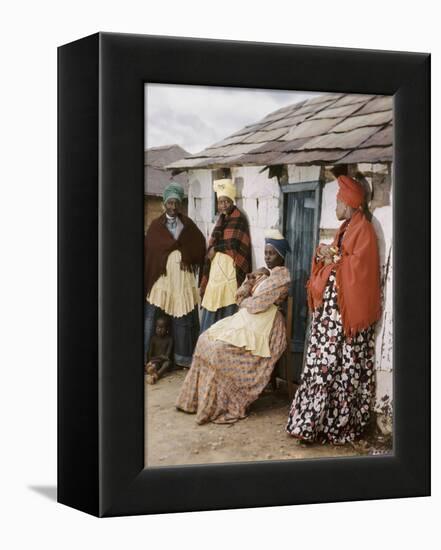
x,y
164,368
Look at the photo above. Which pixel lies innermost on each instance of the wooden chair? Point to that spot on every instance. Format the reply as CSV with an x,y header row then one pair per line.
x,y
284,361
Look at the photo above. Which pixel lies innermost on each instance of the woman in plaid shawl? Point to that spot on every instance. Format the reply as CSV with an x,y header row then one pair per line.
x,y
228,258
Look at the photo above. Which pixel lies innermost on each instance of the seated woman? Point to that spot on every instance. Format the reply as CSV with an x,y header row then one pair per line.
x,y
234,359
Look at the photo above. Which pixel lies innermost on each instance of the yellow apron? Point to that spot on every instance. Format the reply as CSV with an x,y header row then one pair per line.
x,y
246,330
175,292
222,284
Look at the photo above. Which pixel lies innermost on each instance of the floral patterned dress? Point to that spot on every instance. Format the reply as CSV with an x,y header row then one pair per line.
x,y
225,379
334,399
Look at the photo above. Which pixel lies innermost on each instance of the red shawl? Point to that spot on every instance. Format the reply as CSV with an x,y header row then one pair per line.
x,y
230,235
357,276
159,243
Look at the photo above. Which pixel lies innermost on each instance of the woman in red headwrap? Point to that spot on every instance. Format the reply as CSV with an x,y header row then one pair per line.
x,y
333,402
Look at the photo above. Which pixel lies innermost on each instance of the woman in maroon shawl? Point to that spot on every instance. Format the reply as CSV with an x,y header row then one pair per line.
x,y
174,251
333,402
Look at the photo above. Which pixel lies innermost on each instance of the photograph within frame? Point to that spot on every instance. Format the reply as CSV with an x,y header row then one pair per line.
x,y
100,183
286,154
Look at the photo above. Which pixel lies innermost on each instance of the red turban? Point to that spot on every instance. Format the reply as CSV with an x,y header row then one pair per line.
x,y
350,192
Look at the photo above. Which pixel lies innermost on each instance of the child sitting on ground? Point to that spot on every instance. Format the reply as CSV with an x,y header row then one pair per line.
x,y
159,355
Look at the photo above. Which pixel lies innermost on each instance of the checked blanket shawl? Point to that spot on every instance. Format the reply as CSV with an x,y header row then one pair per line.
x,y
230,235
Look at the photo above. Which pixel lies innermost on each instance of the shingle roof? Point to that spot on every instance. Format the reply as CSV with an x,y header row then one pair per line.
x,y
156,176
332,128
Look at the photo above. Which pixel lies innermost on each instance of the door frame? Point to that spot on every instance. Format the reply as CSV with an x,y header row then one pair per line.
x,y
314,185
317,187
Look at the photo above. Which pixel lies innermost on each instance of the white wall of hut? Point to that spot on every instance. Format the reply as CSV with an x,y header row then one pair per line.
x,y
259,197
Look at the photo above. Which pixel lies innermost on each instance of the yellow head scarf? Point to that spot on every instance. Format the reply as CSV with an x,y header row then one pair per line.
x,y
225,188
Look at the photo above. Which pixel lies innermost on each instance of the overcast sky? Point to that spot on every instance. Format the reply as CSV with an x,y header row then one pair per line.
x,y
195,117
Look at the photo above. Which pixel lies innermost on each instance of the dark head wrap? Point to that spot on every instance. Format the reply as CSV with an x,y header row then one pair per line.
x,y
277,241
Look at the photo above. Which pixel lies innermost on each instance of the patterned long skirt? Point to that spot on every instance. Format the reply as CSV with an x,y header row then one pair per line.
x,y
334,400
224,380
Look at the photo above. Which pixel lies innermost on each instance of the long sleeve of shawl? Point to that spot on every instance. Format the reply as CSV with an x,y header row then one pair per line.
x,y
243,292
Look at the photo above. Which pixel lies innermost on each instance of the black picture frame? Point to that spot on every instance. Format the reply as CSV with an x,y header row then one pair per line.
x,y
100,283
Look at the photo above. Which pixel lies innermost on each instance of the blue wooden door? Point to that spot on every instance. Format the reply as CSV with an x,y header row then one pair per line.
x,y
301,211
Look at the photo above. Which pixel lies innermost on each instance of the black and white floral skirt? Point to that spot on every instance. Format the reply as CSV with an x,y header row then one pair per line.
x,y
334,400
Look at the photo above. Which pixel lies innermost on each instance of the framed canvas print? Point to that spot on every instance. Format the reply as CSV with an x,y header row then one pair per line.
x,y
243,274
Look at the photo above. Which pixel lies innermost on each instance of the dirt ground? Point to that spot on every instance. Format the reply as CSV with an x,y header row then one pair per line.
x,y
173,437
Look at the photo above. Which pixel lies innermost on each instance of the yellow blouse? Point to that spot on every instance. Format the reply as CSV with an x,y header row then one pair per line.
x,y
175,292
222,284
246,330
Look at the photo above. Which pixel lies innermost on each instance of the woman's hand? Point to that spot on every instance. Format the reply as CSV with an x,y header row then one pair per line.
x,y
325,251
327,254
210,254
